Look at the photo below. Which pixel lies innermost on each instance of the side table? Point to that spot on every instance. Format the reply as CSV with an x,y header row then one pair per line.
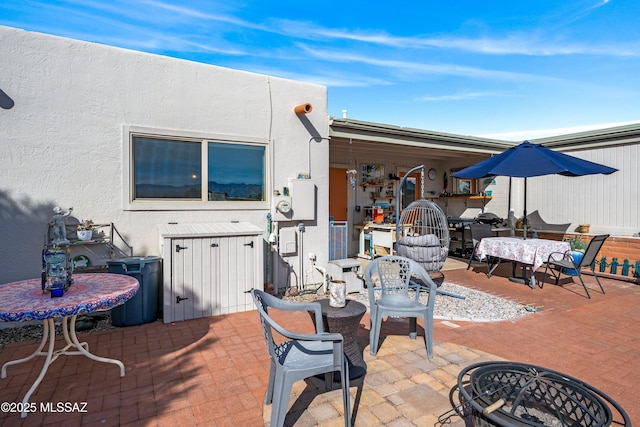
x,y
345,321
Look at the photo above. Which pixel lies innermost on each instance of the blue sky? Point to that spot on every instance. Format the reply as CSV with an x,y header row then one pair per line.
x,y
491,68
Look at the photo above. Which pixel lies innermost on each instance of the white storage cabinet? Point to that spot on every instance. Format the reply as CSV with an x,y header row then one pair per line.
x,y
208,268
349,271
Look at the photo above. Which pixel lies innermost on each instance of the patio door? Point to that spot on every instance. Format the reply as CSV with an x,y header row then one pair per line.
x,y
338,194
412,189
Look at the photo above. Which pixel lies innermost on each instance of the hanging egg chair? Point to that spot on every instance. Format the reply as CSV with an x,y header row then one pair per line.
x,y
422,231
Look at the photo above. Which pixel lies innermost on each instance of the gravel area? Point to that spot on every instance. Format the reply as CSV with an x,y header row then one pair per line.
x,y
32,331
476,306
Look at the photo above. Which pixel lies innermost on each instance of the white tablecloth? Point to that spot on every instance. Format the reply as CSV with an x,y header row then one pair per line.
x,y
534,252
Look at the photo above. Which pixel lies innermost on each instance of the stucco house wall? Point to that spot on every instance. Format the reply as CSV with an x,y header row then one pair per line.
x,y
67,105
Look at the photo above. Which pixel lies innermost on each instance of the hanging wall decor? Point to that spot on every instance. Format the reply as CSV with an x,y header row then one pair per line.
x,y
372,174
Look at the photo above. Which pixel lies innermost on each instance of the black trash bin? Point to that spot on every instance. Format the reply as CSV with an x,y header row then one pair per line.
x,y
143,307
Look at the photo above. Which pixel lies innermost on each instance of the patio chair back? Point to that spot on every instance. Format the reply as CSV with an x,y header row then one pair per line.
x,y
556,266
299,355
389,281
478,232
592,250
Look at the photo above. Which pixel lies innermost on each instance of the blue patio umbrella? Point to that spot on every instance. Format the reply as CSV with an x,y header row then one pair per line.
x,y
527,160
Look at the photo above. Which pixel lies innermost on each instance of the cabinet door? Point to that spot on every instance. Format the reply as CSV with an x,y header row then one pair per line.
x,y
211,275
198,270
183,278
239,266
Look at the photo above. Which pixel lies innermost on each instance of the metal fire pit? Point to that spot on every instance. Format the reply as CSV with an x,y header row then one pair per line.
x,y
522,395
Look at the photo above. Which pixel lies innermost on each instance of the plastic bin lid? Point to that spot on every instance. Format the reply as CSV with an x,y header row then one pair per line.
x,y
133,260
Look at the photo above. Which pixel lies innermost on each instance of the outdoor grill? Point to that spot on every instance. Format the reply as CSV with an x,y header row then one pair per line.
x,y
489,218
522,395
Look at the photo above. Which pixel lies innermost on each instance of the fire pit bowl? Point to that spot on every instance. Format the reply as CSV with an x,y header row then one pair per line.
x,y
522,395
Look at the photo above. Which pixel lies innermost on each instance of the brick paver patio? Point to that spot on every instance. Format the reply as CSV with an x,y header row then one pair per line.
x,y
214,371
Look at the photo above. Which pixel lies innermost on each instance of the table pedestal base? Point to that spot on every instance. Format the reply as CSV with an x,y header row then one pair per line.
x,y
345,321
49,334
523,278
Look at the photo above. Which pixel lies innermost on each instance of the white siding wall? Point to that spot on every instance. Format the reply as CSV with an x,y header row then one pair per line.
x,y
62,142
610,203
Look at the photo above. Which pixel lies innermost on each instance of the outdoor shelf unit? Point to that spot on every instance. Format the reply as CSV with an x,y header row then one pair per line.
x,y
106,243
383,195
376,240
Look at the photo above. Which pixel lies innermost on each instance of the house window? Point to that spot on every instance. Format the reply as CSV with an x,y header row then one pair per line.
x,y
169,172
166,169
236,172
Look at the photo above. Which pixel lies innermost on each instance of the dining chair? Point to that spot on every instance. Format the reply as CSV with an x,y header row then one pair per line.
x,y
556,264
299,356
478,232
389,280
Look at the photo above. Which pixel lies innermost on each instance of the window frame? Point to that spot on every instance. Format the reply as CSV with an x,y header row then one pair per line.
x,y
129,132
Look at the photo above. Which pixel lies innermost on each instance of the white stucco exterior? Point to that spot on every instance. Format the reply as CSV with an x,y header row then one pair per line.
x,y
64,141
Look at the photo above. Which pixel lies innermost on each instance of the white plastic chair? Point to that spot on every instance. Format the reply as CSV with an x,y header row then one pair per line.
x,y
393,277
300,356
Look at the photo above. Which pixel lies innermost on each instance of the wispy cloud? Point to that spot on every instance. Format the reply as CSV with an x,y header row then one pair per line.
x,y
417,67
464,96
327,78
532,43
581,13
194,13
529,45
130,20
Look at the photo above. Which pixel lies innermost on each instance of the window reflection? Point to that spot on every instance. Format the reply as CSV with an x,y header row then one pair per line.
x,y
236,172
165,169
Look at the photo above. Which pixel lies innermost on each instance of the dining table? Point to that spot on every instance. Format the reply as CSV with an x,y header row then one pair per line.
x,y
530,254
26,300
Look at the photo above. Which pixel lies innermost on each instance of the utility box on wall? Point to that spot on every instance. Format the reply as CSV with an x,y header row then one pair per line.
x,y
287,243
300,199
208,268
303,199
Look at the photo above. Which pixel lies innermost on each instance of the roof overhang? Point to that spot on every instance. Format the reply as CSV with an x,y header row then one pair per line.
x,y
388,134
619,135
452,145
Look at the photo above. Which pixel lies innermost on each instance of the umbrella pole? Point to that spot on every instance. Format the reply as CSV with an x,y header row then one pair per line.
x,y
524,220
511,221
509,199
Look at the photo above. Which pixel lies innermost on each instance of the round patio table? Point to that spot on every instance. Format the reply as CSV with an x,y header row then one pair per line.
x,y
24,300
345,320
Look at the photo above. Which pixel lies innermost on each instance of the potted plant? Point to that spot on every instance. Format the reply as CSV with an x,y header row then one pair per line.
x,y
583,228
578,247
85,230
